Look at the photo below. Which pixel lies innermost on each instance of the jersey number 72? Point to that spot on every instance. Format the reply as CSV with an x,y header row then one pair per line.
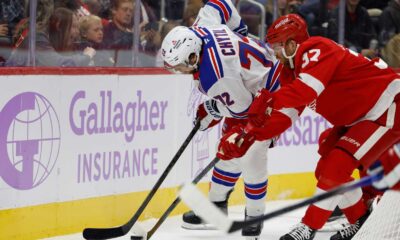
x,y
245,50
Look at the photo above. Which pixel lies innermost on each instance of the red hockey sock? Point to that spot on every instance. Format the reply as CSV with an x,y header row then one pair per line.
x,y
353,213
316,217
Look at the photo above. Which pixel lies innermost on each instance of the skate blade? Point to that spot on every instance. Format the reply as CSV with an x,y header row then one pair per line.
x,y
201,226
252,237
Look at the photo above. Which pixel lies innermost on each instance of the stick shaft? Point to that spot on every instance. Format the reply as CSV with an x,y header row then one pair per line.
x,y
178,200
237,225
103,233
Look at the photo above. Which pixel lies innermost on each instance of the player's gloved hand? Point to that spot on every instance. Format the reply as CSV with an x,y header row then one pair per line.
x,y
235,143
208,114
261,108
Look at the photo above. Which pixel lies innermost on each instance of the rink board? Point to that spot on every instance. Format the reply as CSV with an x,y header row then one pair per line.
x,y
82,148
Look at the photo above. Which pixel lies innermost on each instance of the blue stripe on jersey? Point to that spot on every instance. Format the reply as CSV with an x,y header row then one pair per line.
x,y
275,86
240,115
208,76
227,7
222,14
242,29
273,81
196,32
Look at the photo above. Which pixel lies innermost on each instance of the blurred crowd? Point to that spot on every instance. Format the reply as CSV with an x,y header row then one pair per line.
x,y
102,32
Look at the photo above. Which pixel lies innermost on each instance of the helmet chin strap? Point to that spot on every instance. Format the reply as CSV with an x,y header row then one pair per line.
x,y
290,58
195,65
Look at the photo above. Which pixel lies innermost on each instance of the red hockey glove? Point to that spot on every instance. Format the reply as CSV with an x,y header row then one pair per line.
x,y
235,143
261,108
208,114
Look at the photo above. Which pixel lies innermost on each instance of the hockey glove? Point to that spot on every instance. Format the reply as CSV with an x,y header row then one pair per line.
x,y
208,114
261,108
390,162
391,179
235,143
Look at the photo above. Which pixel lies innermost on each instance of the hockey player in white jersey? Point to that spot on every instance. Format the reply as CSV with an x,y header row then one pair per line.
x,y
229,68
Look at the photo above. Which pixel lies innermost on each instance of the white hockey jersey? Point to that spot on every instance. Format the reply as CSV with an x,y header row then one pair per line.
x,y
232,67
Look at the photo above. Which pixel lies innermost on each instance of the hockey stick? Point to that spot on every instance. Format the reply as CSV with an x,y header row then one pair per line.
x,y
210,213
175,203
105,233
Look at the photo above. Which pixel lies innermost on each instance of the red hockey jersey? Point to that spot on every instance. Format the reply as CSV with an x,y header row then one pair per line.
x,y
338,83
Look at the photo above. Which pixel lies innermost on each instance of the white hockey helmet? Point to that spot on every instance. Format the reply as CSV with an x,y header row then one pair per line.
x,y
178,45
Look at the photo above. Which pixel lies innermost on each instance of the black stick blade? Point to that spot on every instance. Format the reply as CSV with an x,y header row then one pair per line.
x,y
103,233
137,238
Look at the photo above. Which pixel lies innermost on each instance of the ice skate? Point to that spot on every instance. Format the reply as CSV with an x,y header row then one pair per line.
x,y
252,232
192,222
349,232
300,232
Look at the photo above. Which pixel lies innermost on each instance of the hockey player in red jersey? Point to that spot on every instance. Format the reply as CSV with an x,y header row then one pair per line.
x,y
358,96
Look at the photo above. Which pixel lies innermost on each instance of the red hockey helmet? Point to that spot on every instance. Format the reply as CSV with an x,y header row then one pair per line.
x,y
290,26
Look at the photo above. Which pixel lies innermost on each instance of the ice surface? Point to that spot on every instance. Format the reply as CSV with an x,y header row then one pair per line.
x,y
171,229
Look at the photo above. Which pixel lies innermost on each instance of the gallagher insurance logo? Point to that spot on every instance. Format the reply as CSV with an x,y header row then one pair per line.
x,y
29,140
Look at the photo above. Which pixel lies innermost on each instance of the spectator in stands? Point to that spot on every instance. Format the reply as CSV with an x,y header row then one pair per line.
x,y
151,38
5,43
284,7
390,21
93,6
359,30
105,9
44,11
293,6
91,31
391,52
3,30
75,6
11,12
288,6
118,33
54,44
